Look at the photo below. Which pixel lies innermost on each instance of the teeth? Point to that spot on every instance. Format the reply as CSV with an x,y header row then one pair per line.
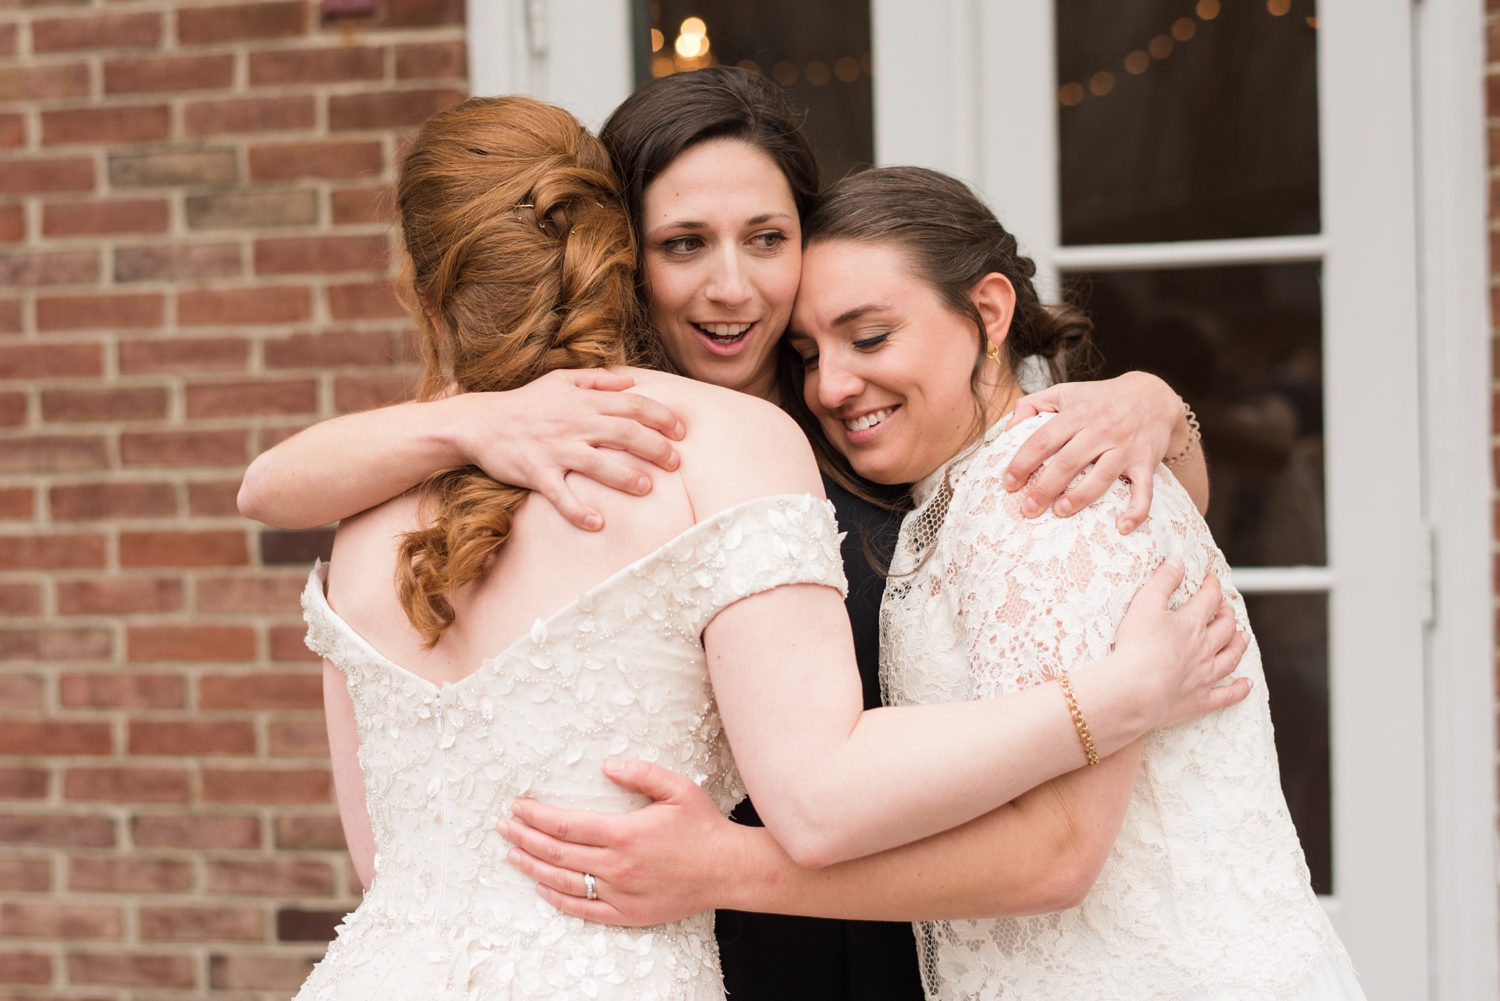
x,y
868,420
725,331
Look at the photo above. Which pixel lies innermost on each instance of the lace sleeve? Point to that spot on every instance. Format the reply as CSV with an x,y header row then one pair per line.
x,y
1043,595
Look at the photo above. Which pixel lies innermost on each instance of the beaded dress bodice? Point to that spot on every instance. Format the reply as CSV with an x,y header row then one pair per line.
x,y
619,673
1206,894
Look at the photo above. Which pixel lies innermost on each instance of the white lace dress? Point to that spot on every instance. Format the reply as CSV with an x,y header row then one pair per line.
x,y
1206,895
619,673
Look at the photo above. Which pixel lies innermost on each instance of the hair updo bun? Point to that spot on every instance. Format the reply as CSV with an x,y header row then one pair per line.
x,y
519,259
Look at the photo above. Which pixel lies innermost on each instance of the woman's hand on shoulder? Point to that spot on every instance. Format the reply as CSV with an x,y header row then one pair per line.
x,y
1123,426
568,421
1181,655
666,861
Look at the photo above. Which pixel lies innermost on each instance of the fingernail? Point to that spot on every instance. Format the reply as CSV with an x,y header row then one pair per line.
x,y
1064,508
642,485
1011,482
1126,525
679,430
593,522
673,461
504,830
1028,507
1175,561
612,766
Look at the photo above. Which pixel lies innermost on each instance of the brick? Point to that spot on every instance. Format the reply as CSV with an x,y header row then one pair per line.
x,y
36,737
267,973
252,209
40,83
426,13
57,830
38,361
331,348
289,161
362,205
288,67
286,644
233,399
196,831
92,501
250,595
55,644
368,392
315,254
168,74
128,124
187,737
52,454
261,691
214,498
35,919
183,549
270,437
176,262
257,114
115,690
238,22
25,874
284,304
126,785
12,230
366,301
20,599
202,924
18,966
432,60
217,644
281,877
179,355
265,785
129,875
12,131
99,312
67,268
295,548
103,217
103,405
130,969
32,176
23,783
20,691
299,740
51,552
310,833
7,39
103,31
183,448
12,413
389,109
17,503
118,596
172,168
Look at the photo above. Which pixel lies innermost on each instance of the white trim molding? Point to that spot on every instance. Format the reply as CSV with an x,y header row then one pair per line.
x,y
1190,253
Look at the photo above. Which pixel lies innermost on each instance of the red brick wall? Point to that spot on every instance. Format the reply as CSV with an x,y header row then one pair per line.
x,y
193,265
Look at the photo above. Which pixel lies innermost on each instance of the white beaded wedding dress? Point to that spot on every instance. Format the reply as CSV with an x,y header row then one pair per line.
x,y
1206,895
620,672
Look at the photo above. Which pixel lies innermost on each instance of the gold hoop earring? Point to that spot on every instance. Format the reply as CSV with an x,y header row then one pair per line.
x,y
993,352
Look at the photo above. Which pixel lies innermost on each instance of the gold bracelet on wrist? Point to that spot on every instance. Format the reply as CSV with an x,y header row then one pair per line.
x,y
1195,437
1079,723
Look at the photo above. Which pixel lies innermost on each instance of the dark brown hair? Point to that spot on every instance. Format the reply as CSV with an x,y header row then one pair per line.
x,y
519,259
951,240
666,117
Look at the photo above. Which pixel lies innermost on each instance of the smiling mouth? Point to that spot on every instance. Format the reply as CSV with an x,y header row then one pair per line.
x,y
869,420
723,333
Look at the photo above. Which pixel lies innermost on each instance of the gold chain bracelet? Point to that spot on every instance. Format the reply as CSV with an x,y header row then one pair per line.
x,y
1195,437
1079,723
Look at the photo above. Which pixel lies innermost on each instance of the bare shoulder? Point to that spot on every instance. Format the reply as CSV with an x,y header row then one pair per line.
x,y
737,447
361,569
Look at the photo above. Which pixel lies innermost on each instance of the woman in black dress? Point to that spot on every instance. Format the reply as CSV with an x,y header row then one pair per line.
x,y
718,275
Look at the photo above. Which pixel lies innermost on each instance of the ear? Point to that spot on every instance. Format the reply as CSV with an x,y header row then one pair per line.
x,y
996,298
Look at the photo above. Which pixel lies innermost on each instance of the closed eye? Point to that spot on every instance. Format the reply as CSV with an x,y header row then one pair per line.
x,y
872,342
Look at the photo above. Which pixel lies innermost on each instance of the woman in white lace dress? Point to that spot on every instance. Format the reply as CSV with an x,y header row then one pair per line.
x,y
914,308
491,650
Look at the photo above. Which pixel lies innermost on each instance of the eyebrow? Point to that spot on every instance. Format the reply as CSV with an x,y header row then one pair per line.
x,y
694,224
849,316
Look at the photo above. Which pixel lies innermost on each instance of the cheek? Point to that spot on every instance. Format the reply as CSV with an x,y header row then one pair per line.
x,y
778,284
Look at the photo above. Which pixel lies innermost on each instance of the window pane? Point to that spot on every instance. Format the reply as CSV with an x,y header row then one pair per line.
x,y
1184,121
819,51
1292,630
1243,345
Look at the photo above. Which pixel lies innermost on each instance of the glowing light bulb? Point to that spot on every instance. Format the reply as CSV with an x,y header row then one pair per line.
x,y
1278,7
847,69
1101,83
693,26
1183,28
657,40
1070,94
1207,10
1137,62
1160,47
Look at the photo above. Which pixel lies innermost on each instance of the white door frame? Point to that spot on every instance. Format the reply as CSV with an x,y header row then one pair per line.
x,y
1406,360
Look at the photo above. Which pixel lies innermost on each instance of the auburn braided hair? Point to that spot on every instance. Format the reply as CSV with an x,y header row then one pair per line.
x,y
519,259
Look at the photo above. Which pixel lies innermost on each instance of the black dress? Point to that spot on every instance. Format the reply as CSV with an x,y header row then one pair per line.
x,y
779,957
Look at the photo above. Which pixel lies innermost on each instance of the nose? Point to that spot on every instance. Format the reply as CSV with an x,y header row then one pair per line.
x,y
729,285
837,381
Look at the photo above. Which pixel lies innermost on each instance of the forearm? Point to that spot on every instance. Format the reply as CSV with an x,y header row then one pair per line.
x,y
1040,853
1192,472
349,464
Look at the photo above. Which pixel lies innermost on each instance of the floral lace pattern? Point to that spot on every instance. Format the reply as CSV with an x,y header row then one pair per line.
x,y
620,672
1206,892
